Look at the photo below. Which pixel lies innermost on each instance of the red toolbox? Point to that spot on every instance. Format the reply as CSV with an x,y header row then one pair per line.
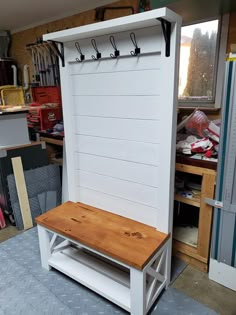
x,y
47,94
44,118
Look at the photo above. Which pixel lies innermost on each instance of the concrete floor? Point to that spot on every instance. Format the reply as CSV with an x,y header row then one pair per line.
x,y
8,232
192,282
197,285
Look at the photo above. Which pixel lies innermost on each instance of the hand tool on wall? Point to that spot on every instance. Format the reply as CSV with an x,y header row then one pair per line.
x,y
45,63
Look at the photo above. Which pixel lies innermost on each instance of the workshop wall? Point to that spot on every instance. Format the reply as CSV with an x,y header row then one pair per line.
x,y
19,40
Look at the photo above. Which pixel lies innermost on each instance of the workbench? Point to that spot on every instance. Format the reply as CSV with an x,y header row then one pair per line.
x,y
13,128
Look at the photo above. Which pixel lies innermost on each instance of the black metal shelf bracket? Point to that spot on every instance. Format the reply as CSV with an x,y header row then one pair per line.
x,y
166,29
60,52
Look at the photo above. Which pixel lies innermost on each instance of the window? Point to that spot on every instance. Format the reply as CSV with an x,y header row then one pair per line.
x,y
202,56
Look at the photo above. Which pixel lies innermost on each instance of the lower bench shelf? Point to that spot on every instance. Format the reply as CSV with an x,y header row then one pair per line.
x,y
99,276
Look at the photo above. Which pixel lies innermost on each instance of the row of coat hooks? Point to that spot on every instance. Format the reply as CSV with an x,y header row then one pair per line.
x,y
116,54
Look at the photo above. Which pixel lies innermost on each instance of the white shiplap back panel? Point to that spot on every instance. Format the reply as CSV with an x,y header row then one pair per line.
x,y
129,171
119,206
118,106
119,116
123,63
117,83
132,129
131,151
142,194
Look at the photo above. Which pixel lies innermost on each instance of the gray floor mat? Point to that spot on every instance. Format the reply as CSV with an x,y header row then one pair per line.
x,y
26,288
44,180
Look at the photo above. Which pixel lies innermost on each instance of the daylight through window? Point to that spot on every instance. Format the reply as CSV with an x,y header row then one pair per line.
x,y
197,77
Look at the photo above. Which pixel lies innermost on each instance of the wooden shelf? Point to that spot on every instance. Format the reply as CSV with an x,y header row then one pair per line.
x,y
187,235
191,245
194,201
52,141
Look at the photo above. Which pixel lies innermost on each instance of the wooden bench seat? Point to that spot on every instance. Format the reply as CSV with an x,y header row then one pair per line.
x,y
125,240
121,259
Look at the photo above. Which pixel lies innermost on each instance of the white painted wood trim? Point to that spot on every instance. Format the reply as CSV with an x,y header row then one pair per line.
x,y
44,246
222,274
138,292
131,22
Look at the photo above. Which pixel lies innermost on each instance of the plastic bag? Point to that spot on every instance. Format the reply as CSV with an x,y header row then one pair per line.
x,y
197,124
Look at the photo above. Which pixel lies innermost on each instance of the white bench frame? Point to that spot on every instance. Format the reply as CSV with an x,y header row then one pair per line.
x,y
132,289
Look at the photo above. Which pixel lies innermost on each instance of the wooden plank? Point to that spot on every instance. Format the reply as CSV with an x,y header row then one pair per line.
x,y
195,201
193,169
192,261
52,141
205,215
22,192
195,162
188,250
128,241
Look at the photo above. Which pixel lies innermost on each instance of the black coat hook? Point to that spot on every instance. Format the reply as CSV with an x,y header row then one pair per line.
x,y
82,57
113,44
137,50
98,54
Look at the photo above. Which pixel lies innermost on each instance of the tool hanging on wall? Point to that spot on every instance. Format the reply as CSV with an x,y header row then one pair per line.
x,y
45,63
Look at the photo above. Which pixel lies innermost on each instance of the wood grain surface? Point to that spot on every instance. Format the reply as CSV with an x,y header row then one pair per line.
x,y
125,240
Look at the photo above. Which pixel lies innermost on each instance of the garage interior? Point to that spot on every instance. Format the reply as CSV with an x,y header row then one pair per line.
x,y
55,58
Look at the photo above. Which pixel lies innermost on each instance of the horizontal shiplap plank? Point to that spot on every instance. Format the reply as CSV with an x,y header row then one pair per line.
x,y
136,107
118,83
138,193
115,65
139,152
126,208
138,173
117,128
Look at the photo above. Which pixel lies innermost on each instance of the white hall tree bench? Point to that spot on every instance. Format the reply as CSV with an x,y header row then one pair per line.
x,y
119,92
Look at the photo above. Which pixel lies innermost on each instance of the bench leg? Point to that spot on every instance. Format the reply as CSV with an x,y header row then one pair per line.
x,y
137,292
44,245
168,263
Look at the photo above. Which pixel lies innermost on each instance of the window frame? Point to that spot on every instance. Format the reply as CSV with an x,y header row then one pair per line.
x,y
222,37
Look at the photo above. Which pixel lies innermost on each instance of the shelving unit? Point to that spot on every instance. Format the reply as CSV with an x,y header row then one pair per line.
x,y
192,243
54,146
194,201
